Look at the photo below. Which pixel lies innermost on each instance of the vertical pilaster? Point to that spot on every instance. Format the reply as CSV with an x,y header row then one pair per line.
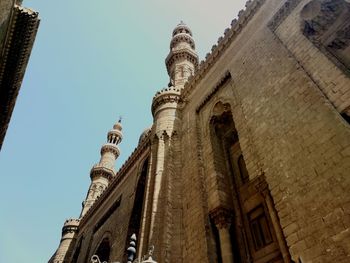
x,y
262,187
222,218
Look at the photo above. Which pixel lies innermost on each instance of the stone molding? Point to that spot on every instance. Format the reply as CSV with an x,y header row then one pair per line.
x,y
110,147
182,37
18,44
219,84
167,95
244,16
221,216
70,225
180,54
98,170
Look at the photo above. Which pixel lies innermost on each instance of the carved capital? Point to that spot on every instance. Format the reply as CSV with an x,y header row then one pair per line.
x,y
222,217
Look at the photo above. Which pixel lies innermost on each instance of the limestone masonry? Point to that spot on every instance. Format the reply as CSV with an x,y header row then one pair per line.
x,y
248,157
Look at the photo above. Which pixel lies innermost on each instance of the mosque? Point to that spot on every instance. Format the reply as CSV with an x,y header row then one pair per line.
x,y
248,156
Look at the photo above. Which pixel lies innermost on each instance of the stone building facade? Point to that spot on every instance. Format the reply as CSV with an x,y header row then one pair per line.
x,y
248,157
18,27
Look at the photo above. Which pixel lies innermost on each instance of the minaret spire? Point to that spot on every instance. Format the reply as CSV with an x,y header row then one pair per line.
x,y
182,59
102,172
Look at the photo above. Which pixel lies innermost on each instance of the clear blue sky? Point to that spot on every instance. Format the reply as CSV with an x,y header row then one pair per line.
x,y
92,61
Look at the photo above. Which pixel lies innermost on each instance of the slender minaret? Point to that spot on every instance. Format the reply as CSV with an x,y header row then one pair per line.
x,y
163,225
182,59
104,171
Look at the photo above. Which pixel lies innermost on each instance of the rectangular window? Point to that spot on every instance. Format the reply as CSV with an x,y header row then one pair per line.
x,y
259,228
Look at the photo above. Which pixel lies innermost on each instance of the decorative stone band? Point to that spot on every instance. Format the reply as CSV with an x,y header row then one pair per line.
x,y
181,28
182,37
70,226
221,216
181,54
14,58
102,171
168,95
112,148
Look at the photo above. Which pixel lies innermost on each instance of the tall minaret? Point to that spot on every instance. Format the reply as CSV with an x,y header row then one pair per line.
x,y
163,223
104,171
182,59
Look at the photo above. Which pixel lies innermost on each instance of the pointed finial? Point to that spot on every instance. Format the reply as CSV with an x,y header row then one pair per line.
x,y
120,118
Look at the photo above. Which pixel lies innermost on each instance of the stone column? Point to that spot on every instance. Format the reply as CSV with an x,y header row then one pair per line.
x,y
263,189
222,218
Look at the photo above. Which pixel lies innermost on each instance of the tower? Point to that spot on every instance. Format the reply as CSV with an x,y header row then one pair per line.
x,y
102,172
165,212
69,230
182,59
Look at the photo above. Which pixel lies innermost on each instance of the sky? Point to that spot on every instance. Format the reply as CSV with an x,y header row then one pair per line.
x,y
92,62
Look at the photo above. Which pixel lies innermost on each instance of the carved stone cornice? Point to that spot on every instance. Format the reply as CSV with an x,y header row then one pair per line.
x,y
167,95
112,148
182,37
70,226
18,44
221,216
181,54
244,16
219,84
101,171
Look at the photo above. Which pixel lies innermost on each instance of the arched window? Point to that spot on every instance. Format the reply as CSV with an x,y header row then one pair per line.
x,y
103,250
135,218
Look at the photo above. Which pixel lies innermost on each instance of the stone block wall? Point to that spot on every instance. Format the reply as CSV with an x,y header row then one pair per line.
x,y
289,128
97,225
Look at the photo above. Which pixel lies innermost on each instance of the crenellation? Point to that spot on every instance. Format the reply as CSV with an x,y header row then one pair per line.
x,y
247,161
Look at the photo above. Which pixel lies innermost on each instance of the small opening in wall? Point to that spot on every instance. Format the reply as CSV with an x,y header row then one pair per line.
x,y
346,117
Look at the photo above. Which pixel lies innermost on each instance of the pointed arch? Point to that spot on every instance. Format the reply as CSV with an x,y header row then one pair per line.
x,y
136,213
104,249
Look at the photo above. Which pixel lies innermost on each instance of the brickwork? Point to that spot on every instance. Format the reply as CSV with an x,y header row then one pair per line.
x,y
283,97
115,227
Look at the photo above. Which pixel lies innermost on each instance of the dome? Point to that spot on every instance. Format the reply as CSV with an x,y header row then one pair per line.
x,y
118,125
182,28
144,134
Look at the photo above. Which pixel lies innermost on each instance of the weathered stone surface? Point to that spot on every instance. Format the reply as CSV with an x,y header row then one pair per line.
x,y
256,132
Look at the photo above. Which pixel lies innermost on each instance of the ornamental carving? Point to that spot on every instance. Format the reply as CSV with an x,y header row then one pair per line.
x,y
112,148
100,171
183,37
222,217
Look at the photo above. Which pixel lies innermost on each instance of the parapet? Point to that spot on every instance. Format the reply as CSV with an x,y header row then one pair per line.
x,y
166,95
71,225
